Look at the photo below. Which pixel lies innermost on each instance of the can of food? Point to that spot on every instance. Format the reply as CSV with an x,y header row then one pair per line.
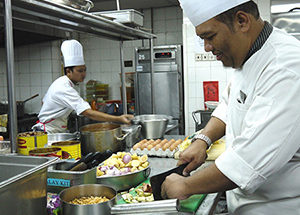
x,y
46,152
31,140
70,149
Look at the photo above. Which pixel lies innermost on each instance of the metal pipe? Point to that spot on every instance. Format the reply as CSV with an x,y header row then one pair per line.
x,y
13,124
152,76
124,96
118,4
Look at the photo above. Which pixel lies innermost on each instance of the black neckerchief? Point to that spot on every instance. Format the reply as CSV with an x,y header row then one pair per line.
x,y
261,39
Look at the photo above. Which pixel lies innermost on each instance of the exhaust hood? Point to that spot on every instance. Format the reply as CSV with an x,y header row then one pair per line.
x,y
288,21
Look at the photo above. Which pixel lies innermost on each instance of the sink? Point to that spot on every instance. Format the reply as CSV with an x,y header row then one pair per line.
x,y
23,184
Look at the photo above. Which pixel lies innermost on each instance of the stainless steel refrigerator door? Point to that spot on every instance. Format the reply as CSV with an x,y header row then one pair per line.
x,y
166,93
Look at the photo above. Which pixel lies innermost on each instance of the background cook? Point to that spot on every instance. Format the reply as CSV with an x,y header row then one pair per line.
x,y
260,168
61,98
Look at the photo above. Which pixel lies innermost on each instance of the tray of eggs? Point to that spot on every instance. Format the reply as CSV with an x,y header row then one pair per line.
x,y
159,148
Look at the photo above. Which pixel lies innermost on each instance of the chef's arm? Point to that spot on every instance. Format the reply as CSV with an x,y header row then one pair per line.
x,y
100,116
195,154
208,180
215,129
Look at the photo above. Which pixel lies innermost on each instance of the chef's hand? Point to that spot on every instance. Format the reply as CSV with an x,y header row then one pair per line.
x,y
125,118
195,155
174,187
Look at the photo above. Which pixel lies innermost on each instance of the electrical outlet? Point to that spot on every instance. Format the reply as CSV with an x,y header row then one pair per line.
x,y
211,57
205,57
198,57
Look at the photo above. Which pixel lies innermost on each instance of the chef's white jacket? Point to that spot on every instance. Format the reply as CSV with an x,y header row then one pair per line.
x,y
261,109
60,100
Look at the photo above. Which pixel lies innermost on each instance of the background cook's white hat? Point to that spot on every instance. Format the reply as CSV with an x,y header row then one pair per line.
x,y
199,11
72,53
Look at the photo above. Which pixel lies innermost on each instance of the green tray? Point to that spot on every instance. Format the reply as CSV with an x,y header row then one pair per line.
x,y
188,205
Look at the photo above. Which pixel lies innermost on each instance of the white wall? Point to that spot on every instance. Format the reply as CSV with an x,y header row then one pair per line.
x,y
195,72
36,66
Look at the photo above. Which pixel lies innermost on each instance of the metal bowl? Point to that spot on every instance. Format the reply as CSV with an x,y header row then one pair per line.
x,y
125,182
153,125
71,193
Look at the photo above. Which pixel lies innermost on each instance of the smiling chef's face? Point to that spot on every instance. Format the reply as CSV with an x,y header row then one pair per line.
x,y
77,74
223,42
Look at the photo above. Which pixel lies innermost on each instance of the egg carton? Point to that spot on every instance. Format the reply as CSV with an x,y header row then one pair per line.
x,y
152,152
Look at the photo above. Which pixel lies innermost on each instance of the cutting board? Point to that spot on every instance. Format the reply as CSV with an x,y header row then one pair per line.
x,y
188,205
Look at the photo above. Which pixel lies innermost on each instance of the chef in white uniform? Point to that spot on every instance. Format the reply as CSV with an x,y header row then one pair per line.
x,y
259,113
62,98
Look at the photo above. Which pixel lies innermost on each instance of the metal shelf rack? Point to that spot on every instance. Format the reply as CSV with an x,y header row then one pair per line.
x,y
45,14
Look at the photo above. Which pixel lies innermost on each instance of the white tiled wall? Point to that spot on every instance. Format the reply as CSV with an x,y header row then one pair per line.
x,y
195,72
36,66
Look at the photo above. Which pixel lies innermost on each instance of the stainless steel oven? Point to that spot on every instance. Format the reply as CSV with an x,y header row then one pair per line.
x,y
168,83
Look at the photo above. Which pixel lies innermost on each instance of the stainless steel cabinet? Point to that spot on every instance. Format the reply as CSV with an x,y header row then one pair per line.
x,y
168,83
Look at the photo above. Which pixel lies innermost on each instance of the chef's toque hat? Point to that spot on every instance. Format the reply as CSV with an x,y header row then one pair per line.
x,y
72,53
199,11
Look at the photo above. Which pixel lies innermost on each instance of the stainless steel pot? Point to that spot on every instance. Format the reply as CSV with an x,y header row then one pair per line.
x,y
87,190
101,137
154,126
131,134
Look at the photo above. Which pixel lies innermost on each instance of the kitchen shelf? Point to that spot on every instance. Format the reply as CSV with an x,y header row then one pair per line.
x,y
53,19
45,13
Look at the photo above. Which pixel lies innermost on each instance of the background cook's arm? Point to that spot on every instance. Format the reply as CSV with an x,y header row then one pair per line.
x,y
100,116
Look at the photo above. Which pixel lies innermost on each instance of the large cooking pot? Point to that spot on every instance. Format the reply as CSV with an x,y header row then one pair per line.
x,y
101,137
20,106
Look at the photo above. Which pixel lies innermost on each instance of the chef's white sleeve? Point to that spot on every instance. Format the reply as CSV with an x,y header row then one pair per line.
x,y
70,98
270,132
221,111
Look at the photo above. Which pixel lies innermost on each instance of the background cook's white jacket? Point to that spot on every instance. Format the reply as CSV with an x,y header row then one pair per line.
x,y
263,134
60,100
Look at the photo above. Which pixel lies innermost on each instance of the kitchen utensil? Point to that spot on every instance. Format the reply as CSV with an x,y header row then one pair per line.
x,y
154,126
23,181
100,137
157,180
87,190
57,137
133,134
162,206
211,105
84,5
20,106
78,166
125,182
129,17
